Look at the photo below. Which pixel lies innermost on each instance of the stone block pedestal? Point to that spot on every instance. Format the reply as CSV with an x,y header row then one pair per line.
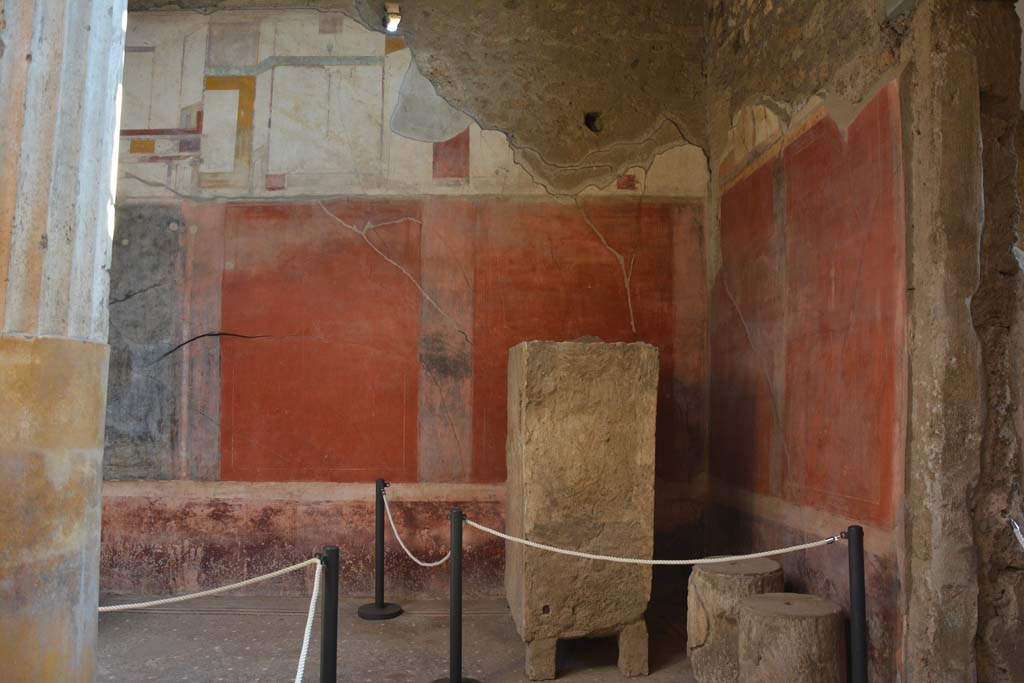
x,y
580,452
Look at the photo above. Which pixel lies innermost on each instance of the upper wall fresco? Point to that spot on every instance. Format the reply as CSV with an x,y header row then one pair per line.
x,y
304,103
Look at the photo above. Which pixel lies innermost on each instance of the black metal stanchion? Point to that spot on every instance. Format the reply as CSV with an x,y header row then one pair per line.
x,y
858,607
329,622
379,610
455,605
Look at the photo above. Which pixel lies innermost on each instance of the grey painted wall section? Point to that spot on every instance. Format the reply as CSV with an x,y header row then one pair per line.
x,y
145,323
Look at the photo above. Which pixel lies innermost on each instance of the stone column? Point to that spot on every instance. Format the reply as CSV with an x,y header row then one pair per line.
x,y
60,65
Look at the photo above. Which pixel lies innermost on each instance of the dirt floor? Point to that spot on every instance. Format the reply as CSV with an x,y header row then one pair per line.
x,y
258,639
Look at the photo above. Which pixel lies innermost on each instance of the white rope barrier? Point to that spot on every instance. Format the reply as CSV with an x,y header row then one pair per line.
x,y
630,560
1017,531
301,671
415,559
212,591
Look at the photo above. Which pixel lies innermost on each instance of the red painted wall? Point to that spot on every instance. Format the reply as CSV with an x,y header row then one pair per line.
x,y
808,321
372,335
807,360
323,385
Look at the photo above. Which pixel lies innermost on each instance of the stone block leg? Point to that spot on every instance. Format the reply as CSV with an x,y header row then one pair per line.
x,y
633,649
540,659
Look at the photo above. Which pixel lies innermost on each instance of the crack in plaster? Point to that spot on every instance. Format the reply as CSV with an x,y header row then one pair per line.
x,y
448,416
627,275
776,409
210,334
131,295
370,226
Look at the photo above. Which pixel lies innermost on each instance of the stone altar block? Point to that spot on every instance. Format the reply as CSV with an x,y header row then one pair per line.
x,y
580,455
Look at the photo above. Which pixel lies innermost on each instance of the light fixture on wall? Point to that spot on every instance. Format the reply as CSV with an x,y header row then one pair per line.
x,y
392,17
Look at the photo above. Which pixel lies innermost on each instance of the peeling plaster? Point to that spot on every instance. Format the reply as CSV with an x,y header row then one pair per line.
x,y
532,70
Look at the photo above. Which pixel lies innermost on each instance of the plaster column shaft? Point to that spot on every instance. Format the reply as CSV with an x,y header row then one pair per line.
x,y
60,66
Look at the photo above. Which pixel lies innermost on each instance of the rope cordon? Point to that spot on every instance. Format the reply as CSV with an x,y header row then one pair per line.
x,y
300,672
1017,531
632,560
212,591
394,529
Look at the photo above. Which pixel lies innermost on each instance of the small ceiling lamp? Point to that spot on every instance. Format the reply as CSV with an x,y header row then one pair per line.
x,y
392,17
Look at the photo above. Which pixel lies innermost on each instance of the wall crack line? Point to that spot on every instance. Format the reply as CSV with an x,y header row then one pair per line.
x,y
627,274
204,336
764,370
368,227
130,295
448,416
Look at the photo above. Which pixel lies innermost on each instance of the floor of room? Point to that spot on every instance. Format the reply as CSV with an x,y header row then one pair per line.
x,y
258,639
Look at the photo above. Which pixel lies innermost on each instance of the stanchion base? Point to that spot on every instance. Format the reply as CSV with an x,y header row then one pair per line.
x,y
373,613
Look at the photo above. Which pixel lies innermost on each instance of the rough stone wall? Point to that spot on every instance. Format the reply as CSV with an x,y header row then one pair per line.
x,y
996,313
963,450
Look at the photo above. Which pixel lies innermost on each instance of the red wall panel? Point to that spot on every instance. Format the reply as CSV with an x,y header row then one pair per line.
x,y
845,313
746,336
382,352
543,273
326,387
808,321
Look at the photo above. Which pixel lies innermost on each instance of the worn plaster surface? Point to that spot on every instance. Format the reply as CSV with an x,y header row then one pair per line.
x,y
643,98
52,395
213,533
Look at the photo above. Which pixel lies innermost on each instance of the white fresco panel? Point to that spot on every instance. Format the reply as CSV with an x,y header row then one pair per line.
x,y
165,108
220,127
193,67
138,84
299,115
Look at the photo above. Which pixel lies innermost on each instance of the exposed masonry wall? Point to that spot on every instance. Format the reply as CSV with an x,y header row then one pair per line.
x,y
996,314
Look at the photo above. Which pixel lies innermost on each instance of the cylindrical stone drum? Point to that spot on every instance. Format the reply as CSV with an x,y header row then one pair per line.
x,y
791,638
712,612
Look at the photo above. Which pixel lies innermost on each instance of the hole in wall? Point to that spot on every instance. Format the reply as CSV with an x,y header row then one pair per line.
x,y
592,120
546,609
